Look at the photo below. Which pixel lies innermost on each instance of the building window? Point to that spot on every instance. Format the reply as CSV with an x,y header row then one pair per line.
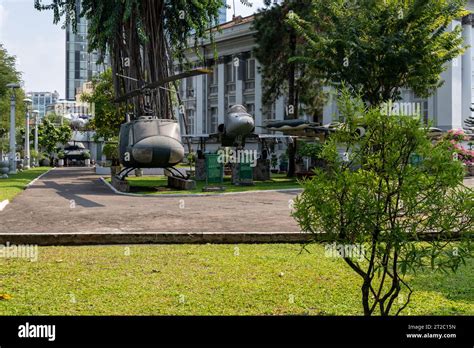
x,y
214,120
421,104
250,109
190,87
189,82
190,116
269,111
230,72
251,69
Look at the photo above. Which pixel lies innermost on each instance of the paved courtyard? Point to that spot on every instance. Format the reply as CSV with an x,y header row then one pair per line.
x,y
75,200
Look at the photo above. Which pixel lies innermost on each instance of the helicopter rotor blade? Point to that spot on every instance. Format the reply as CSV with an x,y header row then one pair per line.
x,y
156,84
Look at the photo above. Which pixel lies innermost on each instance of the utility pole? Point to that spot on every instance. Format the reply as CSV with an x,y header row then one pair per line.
x,y
27,102
12,156
36,115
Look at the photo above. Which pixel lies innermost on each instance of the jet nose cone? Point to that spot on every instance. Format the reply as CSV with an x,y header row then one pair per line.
x,y
250,123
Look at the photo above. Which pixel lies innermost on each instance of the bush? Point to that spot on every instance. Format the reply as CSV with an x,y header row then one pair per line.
x,y
34,154
455,137
311,150
376,205
191,158
111,151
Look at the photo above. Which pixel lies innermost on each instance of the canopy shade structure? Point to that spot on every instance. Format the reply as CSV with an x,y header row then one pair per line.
x,y
75,145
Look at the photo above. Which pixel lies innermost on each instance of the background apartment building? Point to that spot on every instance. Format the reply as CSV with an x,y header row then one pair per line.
x,y
41,101
81,66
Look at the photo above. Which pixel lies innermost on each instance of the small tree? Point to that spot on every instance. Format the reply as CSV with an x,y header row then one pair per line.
x,y
50,135
277,42
377,196
111,152
108,115
57,119
8,74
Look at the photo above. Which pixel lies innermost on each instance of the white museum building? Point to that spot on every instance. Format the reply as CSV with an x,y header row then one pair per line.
x,y
236,79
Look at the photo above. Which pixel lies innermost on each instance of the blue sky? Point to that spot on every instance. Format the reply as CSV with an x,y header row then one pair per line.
x,y
39,45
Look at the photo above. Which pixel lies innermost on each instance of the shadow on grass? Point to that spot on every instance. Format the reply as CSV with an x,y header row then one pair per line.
x,y
457,286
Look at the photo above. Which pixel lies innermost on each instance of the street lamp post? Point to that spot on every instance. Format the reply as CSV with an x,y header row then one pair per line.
x,y
36,115
27,102
12,156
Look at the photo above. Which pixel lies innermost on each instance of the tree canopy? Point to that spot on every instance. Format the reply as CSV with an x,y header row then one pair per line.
x,y
107,116
142,38
277,41
376,48
9,74
50,136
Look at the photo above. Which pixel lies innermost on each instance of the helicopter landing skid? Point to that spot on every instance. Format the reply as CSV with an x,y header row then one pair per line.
x,y
177,173
124,173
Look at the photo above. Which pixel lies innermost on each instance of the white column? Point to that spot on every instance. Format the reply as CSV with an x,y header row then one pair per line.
x,y
179,108
467,69
27,140
205,104
36,138
199,103
12,133
239,88
431,109
449,96
239,92
258,99
221,111
330,106
280,109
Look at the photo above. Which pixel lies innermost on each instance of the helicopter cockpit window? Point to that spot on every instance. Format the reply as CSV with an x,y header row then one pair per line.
x,y
130,136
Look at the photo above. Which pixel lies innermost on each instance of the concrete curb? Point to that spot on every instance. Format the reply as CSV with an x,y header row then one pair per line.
x,y
70,239
192,194
31,183
4,204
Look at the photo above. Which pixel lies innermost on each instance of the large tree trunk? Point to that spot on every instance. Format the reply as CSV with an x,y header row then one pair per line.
x,y
292,109
148,60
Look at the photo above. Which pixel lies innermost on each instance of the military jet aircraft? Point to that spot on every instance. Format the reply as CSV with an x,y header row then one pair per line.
x,y
306,129
238,125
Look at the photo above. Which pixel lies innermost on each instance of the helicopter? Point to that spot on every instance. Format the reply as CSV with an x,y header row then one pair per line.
x,y
149,141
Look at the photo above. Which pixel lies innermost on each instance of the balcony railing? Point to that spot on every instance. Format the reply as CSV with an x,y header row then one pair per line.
x,y
249,85
213,89
230,87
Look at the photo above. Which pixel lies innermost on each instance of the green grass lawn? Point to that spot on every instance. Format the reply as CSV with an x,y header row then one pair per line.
x,y
158,185
15,184
206,280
